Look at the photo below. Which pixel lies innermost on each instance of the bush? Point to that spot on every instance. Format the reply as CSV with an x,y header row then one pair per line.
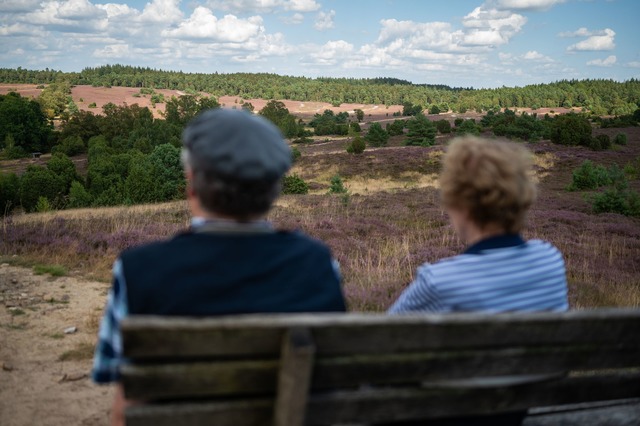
x,y
422,132
92,105
396,128
294,184
468,127
39,182
72,145
600,143
588,176
357,145
443,126
9,192
614,200
78,196
571,129
295,154
43,205
620,139
377,136
337,186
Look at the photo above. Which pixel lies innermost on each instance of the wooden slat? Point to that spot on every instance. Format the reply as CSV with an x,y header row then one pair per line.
x,y
260,335
294,379
230,413
173,381
395,404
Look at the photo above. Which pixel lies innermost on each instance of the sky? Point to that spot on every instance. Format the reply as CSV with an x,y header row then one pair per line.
x,y
460,43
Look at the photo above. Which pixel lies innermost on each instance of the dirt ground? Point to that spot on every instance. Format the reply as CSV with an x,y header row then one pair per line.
x,y
44,371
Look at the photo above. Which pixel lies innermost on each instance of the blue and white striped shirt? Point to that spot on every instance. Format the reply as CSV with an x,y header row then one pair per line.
x,y
499,274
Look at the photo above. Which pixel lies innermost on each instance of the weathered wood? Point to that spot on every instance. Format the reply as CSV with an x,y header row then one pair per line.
x,y
390,404
374,368
231,413
294,379
260,335
173,381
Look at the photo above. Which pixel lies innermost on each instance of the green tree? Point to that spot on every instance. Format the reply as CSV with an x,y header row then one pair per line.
x,y
38,181
71,145
422,131
63,168
357,145
468,127
443,126
570,129
336,186
294,184
396,128
9,192
278,114
359,115
167,172
23,122
376,136
79,197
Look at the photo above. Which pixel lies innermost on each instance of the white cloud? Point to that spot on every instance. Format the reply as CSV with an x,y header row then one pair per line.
x,y
324,20
111,51
17,6
608,62
295,19
580,32
162,11
202,24
491,27
605,41
332,52
301,5
634,64
534,55
70,16
525,4
263,6
429,35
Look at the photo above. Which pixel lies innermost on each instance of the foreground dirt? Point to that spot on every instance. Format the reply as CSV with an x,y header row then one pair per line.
x,y
44,372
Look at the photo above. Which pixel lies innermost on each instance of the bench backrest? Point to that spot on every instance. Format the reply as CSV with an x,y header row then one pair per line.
x,y
325,369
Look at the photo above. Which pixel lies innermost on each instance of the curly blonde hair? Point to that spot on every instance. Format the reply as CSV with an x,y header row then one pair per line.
x,y
489,179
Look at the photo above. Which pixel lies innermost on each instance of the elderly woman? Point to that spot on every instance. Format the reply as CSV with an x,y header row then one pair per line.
x,y
486,190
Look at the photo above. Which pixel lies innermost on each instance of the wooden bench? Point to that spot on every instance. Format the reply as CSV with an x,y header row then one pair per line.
x,y
325,369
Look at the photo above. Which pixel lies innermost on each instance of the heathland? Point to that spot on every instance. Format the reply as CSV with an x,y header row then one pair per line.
x,y
89,168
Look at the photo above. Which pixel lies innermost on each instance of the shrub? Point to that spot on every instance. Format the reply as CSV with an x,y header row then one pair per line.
x,y
422,132
468,127
600,143
295,154
9,192
78,196
72,145
294,184
43,205
396,128
357,145
588,176
337,186
443,126
614,200
92,105
620,139
571,129
39,182
458,121
377,136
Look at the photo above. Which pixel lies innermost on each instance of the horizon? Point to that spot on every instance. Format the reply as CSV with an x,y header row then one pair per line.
x,y
461,44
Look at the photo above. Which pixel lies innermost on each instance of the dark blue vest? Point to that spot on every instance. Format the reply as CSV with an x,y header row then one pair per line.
x,y
199,274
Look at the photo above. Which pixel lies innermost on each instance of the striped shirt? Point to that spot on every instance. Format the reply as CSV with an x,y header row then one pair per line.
x,y
499,274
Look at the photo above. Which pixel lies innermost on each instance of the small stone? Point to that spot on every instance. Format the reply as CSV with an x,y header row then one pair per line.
x,y
14,281
65,298
4,265
70,330
23,295
7,367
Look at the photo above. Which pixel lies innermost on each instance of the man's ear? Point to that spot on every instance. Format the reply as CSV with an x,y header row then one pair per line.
x,y
188,175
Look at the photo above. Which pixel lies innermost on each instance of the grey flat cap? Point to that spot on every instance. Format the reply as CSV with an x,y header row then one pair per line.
x,y
236,144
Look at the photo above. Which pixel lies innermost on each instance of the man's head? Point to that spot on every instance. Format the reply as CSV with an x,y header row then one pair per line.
x,y
489,182
234,162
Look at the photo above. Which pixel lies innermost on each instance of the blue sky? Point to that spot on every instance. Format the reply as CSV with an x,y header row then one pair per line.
x,y
476,43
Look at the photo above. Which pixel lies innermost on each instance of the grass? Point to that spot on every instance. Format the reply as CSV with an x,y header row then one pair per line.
x,y
16,312
82,351
53,270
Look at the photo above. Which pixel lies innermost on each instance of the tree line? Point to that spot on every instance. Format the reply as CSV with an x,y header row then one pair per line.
x,y
597,96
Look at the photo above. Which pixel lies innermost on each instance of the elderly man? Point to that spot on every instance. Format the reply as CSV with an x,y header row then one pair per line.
x,y
231,260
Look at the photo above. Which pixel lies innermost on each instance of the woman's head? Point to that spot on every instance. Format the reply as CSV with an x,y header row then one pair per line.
x,y
489,181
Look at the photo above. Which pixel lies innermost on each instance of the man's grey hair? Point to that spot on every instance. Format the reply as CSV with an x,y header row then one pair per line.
x,y
239,198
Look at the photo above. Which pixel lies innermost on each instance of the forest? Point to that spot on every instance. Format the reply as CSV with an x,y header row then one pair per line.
x,y
599,97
